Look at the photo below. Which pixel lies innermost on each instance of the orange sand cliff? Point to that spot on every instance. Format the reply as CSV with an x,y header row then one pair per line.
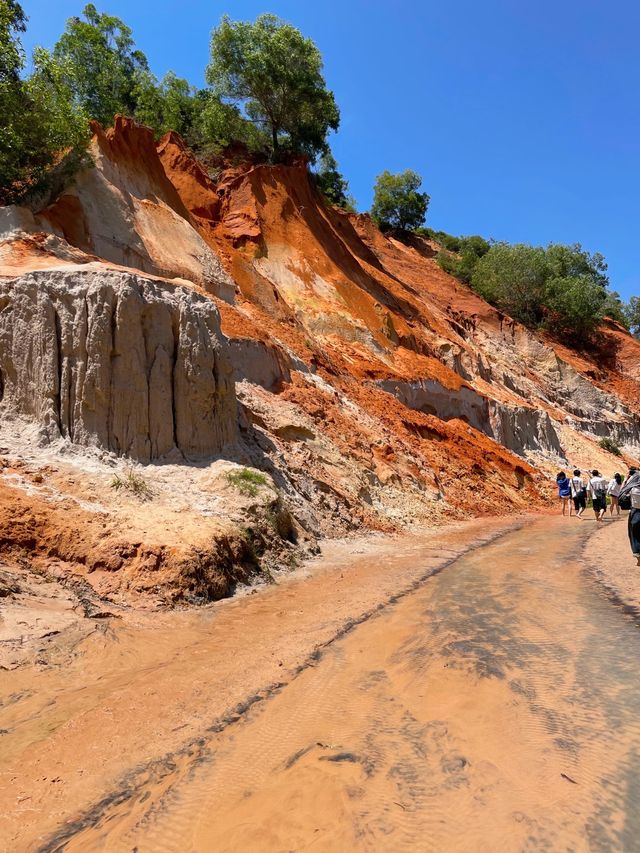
x,y
374,388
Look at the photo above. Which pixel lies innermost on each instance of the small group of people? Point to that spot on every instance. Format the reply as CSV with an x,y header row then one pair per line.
x,y
623,494
574,492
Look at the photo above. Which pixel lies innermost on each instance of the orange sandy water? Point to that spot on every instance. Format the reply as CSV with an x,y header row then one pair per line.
x,y
493,706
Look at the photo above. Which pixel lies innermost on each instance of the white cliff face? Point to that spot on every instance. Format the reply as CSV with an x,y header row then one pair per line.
x,y
111,359
518,428
521,362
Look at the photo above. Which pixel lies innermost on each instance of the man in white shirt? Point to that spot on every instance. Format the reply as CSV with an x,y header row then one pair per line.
x,y
578,493
598,487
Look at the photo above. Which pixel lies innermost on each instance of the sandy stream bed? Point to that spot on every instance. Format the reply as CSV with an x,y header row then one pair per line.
x,y
371,700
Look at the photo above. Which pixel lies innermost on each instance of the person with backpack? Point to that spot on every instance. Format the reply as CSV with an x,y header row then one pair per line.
x,y
564,492
598,487
578,493
631,489
613,491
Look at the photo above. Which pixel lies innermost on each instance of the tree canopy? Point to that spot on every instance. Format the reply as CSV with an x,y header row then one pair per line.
x,y
12,23
40,122
100,64
273,75
171,104
331,183
397,204
266,91
633,315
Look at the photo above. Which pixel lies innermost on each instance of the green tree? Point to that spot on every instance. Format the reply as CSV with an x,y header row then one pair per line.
x,y
397,204
12,95
172,104
576,290
571,261
273,75
632,312
615,308
220,125
41,126
12,23
331,183
101,65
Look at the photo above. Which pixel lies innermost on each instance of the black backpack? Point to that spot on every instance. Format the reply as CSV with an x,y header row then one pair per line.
x,y
625,502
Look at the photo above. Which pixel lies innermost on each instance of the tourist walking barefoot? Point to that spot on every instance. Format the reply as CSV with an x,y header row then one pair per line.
x,y
564,492
631,487
578,493
614,493
598,487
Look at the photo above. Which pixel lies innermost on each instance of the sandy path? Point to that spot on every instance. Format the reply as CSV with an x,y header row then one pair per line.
x,y
88,721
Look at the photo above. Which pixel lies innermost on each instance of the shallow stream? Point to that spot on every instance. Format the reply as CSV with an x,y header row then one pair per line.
x,y
495,707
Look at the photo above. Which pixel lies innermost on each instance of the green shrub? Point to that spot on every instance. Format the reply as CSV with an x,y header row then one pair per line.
x,y
573,306
560,288
246,481
610,446
468,253
447,241
615,309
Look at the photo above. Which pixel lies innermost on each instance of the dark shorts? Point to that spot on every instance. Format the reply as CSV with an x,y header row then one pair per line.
x,y
599,503
580,501
634,531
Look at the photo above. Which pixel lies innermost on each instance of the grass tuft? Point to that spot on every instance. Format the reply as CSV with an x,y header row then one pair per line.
x,y
132,482
246,481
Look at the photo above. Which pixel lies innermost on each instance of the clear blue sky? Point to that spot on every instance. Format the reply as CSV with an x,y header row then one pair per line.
x,y
523,118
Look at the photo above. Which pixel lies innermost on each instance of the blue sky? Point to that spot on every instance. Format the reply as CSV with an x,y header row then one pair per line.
x,y
523,118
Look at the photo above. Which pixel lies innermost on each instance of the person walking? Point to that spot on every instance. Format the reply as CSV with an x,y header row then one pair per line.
x,y
564,491
613,491
578,493
631,487
598,487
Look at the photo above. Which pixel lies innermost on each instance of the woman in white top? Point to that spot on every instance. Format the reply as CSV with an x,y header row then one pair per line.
x,y
615,487
632,488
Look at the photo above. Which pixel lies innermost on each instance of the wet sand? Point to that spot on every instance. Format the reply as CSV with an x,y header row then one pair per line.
x,y
475,689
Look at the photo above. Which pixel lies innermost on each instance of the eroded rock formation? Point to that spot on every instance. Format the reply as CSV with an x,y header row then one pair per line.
x,y
107,358
126,211
375,391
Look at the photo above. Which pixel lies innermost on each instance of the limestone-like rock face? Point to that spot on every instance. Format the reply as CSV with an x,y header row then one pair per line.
x,y
518,428
107,358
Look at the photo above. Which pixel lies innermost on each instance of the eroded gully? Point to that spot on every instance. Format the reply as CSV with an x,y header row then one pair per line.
x,y
494,706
